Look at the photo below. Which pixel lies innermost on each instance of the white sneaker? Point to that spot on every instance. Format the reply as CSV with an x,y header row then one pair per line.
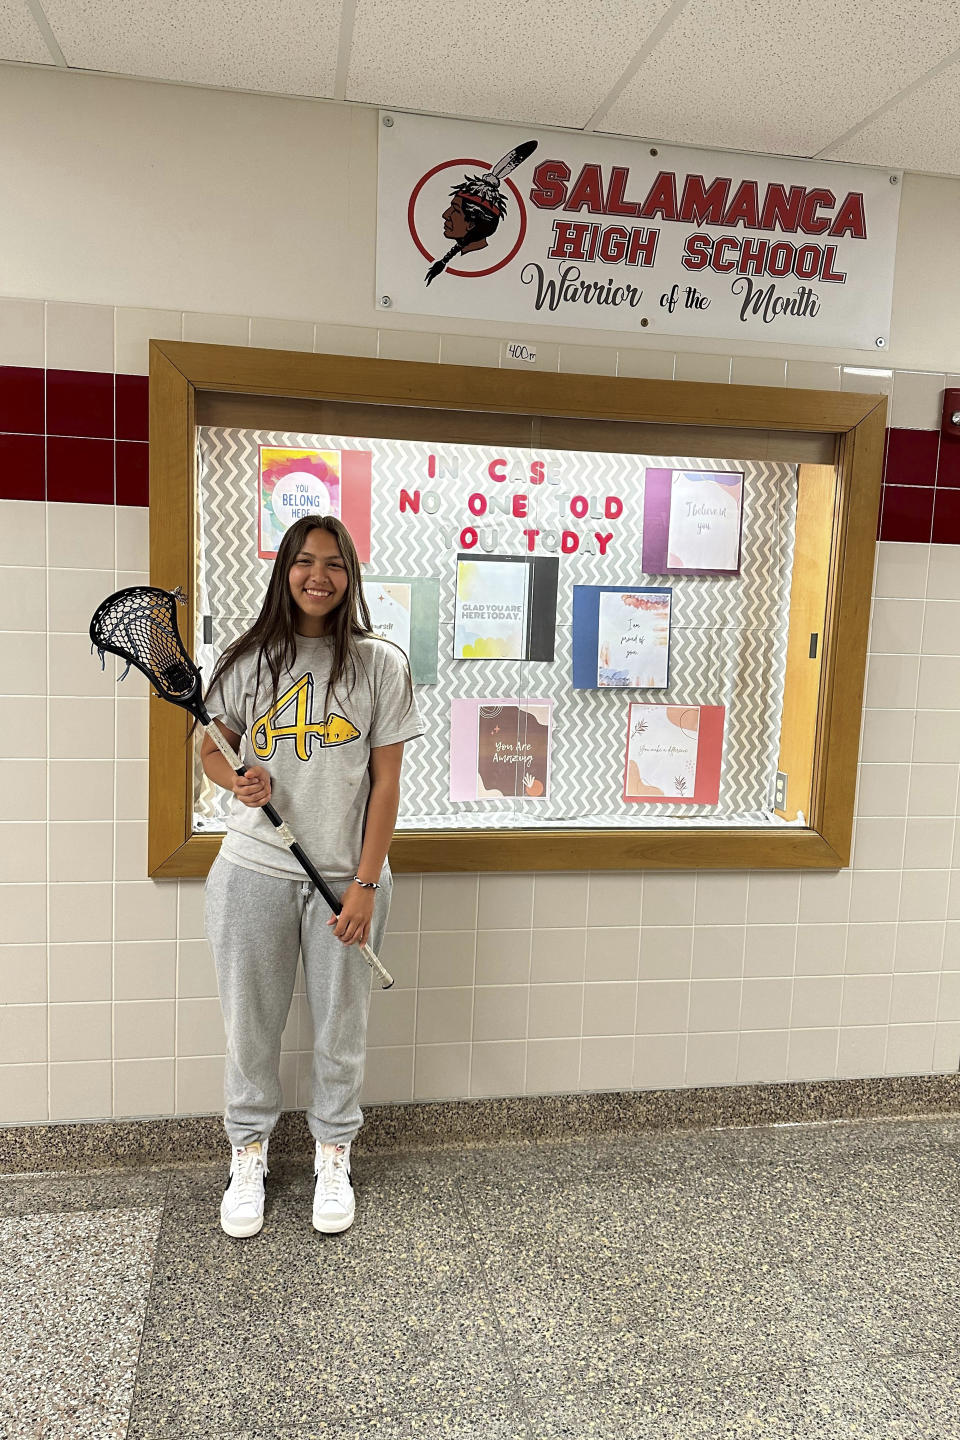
x,y
241,1210
333,1200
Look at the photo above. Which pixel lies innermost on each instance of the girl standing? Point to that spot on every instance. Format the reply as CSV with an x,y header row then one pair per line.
x,y
323,709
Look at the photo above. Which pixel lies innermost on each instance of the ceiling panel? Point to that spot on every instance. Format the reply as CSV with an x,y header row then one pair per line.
x,y
777,76
547,62
19,37
285,46
918,133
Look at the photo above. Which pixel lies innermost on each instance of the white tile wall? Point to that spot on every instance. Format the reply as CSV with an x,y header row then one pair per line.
x,y
216,329
346,340
409,345
917,400
506,984
866,380
79,337
943,581
758,370
813,375
133,331
588,360
22,330
283,334
714,369
469,350
646,364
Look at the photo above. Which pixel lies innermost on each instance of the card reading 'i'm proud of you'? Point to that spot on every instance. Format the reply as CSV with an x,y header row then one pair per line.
x,y
621,637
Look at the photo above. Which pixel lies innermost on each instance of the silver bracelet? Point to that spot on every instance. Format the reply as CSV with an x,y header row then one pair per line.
x,y
366,884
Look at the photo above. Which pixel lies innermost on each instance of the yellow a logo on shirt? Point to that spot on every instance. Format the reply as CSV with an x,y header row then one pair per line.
x,y
297,704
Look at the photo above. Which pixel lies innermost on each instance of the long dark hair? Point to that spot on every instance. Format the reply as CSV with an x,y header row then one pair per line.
x,y
273,635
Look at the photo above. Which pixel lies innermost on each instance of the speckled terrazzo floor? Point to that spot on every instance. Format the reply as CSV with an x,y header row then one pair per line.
x,y
797,1281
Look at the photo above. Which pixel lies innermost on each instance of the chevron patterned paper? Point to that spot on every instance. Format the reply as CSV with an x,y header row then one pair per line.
x,y
729,637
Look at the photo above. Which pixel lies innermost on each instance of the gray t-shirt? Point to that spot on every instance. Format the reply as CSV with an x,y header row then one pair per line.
x,y
317,754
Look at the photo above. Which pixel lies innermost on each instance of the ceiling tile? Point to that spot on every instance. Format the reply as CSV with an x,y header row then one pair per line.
x,y
546,62
913,134
780,77
19,37
287,47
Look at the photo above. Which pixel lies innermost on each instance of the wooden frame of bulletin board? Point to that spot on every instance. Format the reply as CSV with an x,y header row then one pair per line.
x,y
835,438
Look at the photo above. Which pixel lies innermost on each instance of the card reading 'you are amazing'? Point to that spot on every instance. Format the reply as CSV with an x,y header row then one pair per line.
x,y
674,753
692,522
500,749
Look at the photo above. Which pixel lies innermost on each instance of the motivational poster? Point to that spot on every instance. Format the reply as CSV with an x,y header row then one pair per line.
x,y
621,637
500,749
491,614
293,482
674,753
406,610
506,607
389,604
692,521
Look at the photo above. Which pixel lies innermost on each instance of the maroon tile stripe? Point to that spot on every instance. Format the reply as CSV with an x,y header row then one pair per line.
x,y
73,435
82,436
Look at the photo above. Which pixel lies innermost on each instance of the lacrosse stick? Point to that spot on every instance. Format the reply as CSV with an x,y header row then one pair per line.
x,y
140,625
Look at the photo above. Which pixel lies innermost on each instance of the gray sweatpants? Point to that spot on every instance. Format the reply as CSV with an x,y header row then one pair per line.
x,y
258,927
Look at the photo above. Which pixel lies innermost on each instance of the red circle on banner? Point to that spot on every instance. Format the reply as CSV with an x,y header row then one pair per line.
x,y
453,165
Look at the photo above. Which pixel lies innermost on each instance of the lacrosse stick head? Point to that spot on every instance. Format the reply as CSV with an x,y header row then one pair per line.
x,y
139,625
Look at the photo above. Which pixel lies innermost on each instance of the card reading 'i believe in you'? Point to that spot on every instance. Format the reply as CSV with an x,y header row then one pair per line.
x,y
692,521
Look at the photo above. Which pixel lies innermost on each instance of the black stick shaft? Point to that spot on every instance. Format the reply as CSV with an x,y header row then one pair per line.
x,y
287,836
300,854
372,959
276,820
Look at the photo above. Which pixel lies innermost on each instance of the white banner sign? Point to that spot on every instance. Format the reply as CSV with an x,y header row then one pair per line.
x,y
509,223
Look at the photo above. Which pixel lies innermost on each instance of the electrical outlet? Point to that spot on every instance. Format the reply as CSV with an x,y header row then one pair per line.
x,y
780,792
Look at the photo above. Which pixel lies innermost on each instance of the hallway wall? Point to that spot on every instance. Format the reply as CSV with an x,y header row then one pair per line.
x,y
146,210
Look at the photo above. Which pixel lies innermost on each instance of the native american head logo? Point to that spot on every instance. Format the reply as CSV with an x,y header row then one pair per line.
x,y
476,208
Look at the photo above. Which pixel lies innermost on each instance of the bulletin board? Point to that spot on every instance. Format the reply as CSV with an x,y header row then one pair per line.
x,y
567,678
678,678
